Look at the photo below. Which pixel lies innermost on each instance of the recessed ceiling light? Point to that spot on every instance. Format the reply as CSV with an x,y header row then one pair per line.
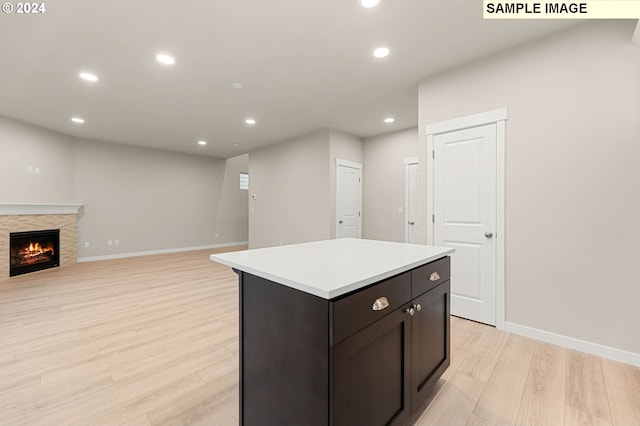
x,y
236,85
250,121
165,59
369,3
381,52
202,142
88,76
389,120
77,120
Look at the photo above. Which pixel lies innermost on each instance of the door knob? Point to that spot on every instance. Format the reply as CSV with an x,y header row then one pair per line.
x,y
488,234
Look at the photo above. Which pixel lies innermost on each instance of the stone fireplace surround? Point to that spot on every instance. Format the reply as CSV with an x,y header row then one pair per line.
x,y
36,217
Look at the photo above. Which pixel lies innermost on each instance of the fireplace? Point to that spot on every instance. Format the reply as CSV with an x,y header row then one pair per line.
x,y
33,251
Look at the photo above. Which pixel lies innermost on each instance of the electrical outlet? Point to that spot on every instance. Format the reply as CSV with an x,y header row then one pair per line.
x,y
216,235
116,242
86,244
109,242
30,169
37,170
399,209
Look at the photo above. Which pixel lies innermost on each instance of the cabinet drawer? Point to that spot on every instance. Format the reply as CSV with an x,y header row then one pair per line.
x,y
426,277
355,311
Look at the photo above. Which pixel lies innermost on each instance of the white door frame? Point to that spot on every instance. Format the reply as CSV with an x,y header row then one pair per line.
x,y
407,162
498,116
353,165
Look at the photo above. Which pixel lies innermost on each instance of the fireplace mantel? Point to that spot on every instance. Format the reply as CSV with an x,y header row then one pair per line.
x,y
33,209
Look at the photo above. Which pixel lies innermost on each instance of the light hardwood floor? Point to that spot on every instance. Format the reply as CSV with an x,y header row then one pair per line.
x,y
154,341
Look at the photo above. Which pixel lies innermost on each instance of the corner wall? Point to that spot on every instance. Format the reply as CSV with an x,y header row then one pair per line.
x,y
572,206
291,188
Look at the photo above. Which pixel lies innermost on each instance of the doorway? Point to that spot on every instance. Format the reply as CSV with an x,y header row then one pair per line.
x,y
465,199
348,199
411,200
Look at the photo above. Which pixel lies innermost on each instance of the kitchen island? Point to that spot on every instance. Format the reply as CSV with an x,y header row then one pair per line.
x,y
340,332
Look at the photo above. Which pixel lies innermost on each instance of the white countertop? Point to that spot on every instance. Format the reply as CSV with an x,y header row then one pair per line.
x,y
331,268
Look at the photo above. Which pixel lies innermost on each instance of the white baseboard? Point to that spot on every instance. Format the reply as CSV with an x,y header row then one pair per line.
x,y
163,251
573,343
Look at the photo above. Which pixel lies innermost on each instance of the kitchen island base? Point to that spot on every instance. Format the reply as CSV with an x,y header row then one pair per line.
x,y
366,357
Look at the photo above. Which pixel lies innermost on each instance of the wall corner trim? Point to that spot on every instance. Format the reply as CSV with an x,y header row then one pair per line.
x,y
635,40
576,344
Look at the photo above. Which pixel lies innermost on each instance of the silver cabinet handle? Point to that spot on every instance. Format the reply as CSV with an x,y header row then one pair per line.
x,y
411,311
412,223
380,304
434,276
418,307
340,221
488,234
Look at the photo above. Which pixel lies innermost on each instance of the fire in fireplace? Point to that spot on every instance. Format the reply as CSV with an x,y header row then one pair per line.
x,y
33,251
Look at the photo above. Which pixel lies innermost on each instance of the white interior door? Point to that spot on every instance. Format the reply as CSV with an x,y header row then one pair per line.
x,y
411,201
348,199
464,208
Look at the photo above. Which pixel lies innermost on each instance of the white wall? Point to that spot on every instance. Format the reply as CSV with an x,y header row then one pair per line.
x,y
572,156
384,183
147,199
291,184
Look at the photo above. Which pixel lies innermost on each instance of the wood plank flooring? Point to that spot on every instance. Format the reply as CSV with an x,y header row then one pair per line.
x,y
154,341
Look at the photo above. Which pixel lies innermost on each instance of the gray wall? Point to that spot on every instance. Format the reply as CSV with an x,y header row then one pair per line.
x,y
147,199
572,155
23,146
291,184
384,183
232,219
295,187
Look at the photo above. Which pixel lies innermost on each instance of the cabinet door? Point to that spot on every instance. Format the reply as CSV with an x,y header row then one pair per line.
x,y
371,377
430,341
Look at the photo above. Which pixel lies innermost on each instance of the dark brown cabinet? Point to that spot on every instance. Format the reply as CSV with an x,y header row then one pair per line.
x,y
371,382
368,357
430,341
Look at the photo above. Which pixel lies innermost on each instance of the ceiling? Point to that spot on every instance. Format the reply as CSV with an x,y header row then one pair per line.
x,y
303,66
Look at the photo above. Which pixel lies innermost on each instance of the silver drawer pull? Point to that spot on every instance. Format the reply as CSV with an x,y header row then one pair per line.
x,y
380,304
434,276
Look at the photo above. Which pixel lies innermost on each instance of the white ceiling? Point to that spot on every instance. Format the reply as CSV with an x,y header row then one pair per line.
x,y
304,66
